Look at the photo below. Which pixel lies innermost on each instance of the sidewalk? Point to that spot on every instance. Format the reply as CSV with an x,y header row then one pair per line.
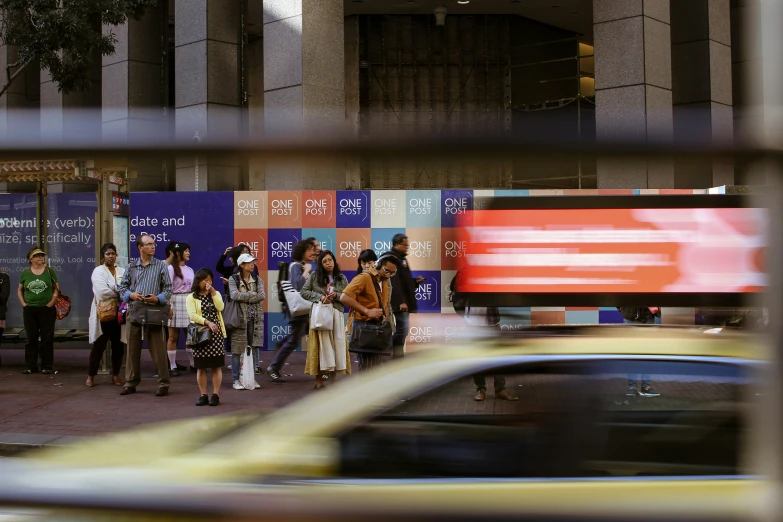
x,y
52,409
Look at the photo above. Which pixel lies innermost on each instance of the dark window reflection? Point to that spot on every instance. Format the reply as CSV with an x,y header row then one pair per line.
x,y
572,420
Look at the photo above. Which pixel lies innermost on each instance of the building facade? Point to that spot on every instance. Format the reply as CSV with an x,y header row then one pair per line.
x,y
593,69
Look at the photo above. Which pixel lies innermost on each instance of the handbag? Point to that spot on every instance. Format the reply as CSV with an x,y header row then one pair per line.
x,y
297,305
107,310
372,336
197,335
232,315
62,305
322,317
122,313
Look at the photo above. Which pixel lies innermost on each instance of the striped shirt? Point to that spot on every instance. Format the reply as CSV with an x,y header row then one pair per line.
x,y
151,279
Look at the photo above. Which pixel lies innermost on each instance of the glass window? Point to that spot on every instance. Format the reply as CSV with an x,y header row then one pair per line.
x,y
571,420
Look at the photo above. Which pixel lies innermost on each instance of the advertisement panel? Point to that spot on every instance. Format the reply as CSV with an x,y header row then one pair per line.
x,y
683,251
199,219
70,245
271,223
18,222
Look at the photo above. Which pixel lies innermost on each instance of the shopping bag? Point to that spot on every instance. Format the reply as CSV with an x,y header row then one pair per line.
x,y
248,376
322,317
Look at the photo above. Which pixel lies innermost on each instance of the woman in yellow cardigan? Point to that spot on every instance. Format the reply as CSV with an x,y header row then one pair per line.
x,y
204,306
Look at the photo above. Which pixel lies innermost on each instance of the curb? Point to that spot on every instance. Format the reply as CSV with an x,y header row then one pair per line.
x,y
15,444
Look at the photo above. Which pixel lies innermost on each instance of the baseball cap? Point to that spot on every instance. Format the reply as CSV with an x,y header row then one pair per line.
x,y
35,252
245,258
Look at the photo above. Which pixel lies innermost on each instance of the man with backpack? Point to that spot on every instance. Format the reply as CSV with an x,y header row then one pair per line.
x,y
486,318
298,272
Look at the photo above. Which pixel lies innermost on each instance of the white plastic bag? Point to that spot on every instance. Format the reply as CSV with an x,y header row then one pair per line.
x,y
247,375
322,317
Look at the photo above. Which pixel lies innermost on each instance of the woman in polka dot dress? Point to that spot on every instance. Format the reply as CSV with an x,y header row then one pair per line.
x,y
204,306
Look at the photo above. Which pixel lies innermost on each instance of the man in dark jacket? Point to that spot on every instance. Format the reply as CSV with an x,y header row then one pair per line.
x,y
403,298
641,315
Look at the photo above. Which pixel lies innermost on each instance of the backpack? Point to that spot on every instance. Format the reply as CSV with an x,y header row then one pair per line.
x,y
459,301
282,275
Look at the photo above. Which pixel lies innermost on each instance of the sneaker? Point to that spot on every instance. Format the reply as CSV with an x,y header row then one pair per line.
x,y
631,392
214,400
203,400
274,375
647,391
238,385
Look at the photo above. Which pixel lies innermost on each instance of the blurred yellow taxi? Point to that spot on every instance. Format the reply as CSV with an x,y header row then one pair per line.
x,y
618,423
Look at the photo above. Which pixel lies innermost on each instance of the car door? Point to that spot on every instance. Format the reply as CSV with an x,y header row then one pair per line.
x,y
575,443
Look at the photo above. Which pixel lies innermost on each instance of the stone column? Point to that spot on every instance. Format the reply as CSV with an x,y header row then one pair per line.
x,y
701,87
132,85
132,101
633,84
19,105
207,88
304,85
77,113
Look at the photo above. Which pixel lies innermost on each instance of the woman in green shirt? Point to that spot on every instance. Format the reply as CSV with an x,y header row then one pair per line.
x,y
37,294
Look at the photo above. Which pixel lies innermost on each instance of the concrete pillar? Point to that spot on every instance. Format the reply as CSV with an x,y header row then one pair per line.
x,y
132,83
701,87
132,101
77,113
19,105
304,85
254,86
633,83
745,88
207,88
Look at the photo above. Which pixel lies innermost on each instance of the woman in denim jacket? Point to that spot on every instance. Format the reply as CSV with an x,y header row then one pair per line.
x,y
327,351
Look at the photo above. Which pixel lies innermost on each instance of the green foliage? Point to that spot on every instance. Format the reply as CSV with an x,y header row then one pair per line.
x,y
65,35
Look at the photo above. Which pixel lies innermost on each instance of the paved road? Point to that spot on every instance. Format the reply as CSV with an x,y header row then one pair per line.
x,y
41,408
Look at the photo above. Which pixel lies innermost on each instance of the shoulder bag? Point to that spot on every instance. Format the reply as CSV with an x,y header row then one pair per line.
x,y
232,318
62,305
297,305
372,336
107,310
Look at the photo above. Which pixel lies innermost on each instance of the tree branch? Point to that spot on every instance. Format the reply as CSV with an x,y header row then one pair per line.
x,y
11,77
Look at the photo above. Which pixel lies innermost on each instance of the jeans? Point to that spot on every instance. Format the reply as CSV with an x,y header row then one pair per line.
x,y
236,362
39,322
299,328
645,377
400,334
481,382
110,332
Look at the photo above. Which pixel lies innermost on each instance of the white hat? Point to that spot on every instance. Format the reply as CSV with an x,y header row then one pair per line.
x,y
245,258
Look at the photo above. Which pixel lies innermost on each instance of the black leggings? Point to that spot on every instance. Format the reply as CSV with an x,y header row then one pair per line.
x,y
111,332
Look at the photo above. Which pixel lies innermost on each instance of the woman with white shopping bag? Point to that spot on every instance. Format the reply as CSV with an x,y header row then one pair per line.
x,y
327,348
247,290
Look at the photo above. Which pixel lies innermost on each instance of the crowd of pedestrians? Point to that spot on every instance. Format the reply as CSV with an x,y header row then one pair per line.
x,y
156,302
